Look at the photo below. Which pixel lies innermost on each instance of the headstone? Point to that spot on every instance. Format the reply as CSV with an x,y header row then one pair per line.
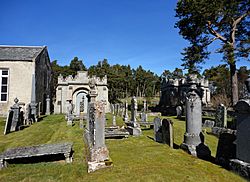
x,y
158,129
226,149
242,110
221,116
98,154
48,105
70,113
193,137
208,124
144,117
126,111
179,112
167,132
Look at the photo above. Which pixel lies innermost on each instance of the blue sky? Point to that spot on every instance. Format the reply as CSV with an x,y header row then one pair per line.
x,y
135,32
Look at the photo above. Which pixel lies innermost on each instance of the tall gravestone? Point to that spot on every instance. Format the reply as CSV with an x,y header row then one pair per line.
x,y
167,132
95,132
70,108
134,108
193,137
157,129
221,116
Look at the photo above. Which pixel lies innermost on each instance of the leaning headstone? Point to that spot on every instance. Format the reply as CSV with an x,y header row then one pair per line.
x,y
167,132
157,130
193,137
179,112
221,116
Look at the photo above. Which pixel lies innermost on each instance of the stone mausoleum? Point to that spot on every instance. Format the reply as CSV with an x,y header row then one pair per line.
x,y
18,66
76,89
173,91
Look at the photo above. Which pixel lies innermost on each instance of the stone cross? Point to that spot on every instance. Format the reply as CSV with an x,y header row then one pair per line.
x,y
221,116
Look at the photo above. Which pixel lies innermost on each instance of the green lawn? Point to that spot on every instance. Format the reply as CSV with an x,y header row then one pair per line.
x,y
134,159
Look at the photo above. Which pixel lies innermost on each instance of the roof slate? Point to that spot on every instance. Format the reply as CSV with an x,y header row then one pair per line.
x,y
20,53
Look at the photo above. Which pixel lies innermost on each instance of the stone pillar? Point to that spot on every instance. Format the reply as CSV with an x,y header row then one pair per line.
x,y
193,137
144,106
47,105
126,111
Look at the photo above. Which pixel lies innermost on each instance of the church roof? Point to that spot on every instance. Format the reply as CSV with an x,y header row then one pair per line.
x,y
20,53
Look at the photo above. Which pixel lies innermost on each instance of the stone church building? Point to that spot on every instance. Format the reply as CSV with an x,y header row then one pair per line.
x,y
76,90
19,65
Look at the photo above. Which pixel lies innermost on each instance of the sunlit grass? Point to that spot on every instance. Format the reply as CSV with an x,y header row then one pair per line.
x,y
135,158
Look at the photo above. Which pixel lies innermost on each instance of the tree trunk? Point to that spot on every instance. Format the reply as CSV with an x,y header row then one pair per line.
x,y
234,84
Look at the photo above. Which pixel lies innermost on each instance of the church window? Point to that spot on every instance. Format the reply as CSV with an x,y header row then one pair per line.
x,y
4,80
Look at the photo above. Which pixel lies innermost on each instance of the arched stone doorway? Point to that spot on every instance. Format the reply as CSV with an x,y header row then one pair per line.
x,y
81,103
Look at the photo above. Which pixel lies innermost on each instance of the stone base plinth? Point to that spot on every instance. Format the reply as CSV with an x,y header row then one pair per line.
x,y
135,131
201,151
240,167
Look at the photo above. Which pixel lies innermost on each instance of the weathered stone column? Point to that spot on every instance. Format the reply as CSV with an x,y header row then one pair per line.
x,y
47,105
126,111
133,109
193,136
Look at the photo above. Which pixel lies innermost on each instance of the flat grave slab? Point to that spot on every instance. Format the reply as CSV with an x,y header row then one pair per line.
x,y
38,153
115,133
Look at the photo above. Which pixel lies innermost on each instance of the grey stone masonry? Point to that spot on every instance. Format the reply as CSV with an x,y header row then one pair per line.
x,y
221,116
193,137
167,132
38,152
134,108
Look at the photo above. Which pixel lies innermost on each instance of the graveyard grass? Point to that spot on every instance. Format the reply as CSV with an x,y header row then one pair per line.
x,y
134,159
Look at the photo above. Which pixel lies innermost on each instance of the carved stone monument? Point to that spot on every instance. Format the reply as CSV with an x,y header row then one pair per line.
x,y
70,113
126,111
133,126
193,137
98,154
221,116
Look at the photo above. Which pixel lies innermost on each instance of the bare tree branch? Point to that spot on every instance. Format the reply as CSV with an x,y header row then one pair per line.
x,y
215,33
